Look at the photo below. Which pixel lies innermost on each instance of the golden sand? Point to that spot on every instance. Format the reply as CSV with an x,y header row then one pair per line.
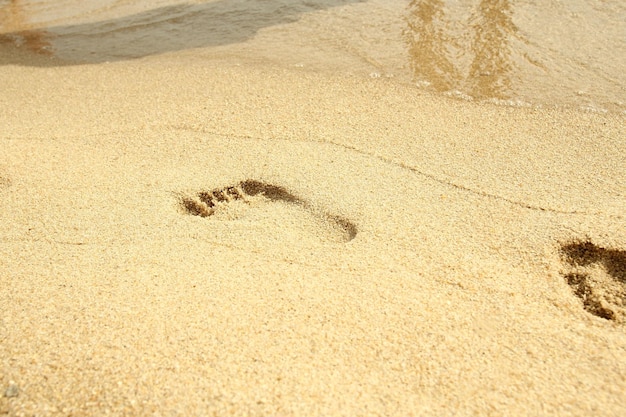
x,y
386,252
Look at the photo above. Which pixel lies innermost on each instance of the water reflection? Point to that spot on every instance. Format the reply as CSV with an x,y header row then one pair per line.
x,y
429,43
159,30
490,71
20,34
471,53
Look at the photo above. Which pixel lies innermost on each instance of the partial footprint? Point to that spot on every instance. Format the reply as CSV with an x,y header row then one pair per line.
x,y
229,202
598,277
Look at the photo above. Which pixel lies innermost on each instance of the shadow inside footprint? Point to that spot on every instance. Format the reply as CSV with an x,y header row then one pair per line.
x,y
272,192
598,277
208,203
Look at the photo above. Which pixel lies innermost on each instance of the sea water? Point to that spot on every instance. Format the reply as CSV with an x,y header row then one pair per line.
x,y
510,52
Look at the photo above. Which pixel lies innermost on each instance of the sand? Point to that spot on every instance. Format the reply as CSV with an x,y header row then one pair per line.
x,y
384,251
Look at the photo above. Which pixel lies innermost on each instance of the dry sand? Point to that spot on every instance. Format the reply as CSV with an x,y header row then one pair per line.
x,y
387,252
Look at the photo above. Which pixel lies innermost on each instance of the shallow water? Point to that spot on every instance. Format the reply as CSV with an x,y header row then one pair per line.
x,y
528,53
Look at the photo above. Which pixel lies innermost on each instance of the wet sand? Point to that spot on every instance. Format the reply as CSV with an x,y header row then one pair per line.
x,y
182,235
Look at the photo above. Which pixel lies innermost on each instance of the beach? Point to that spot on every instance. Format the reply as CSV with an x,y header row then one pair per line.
x,y
208,231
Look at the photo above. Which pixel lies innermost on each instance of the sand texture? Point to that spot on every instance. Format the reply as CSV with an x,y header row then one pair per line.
x,y
183,236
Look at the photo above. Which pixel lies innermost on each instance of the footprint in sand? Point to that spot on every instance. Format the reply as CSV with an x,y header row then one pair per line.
x,y
598,277
227,202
